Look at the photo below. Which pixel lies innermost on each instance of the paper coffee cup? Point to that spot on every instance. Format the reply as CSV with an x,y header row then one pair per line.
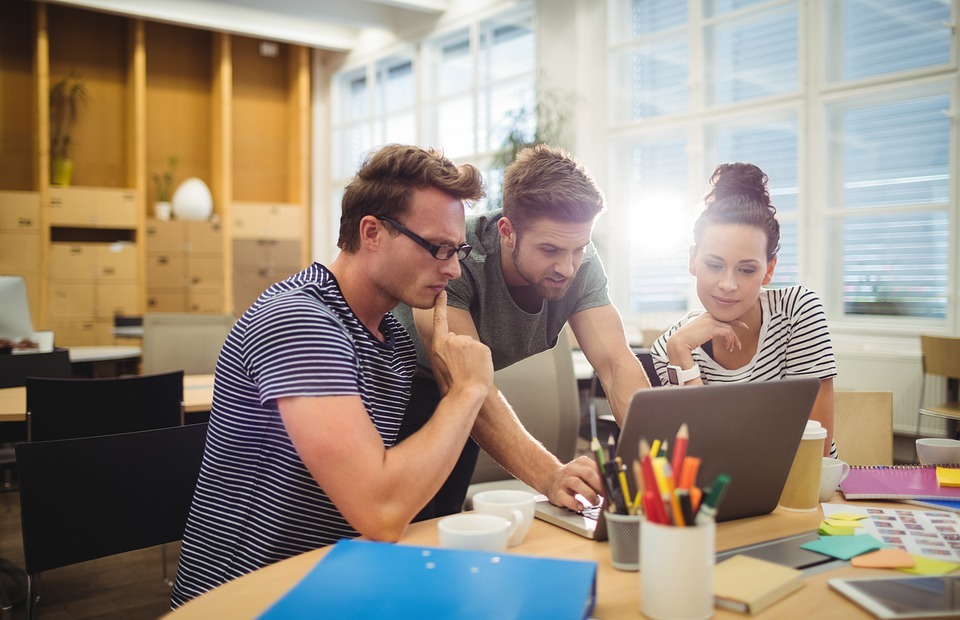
x,y
801,492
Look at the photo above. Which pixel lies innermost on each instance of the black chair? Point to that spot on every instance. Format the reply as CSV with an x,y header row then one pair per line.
x,y
136,494
71,408
14,369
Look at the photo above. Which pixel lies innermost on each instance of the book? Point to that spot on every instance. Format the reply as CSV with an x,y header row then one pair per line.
x,y
951,505
364,579
749,585
900,482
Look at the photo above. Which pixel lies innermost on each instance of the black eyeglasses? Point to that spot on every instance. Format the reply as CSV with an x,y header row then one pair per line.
x,y
439,252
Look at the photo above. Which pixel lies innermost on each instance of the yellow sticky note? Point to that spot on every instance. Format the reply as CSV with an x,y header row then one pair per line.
x,y
929,566
828,529
948,476
884,558
847,516
842,523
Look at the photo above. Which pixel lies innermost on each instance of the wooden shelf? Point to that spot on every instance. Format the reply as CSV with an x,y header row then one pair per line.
x,y
232,116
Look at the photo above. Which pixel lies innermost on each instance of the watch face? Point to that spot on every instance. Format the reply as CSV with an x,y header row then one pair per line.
x,y
672,375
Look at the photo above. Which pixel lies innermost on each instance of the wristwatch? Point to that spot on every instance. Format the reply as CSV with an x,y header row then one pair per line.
x,y
679,376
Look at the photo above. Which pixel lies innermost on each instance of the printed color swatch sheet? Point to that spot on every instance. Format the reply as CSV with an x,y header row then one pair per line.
x,y
931,533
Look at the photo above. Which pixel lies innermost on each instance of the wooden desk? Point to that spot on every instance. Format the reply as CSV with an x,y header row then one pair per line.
x,y
197,397
617,591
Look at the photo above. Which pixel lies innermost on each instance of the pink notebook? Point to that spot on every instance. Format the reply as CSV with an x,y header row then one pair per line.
x,y
897,482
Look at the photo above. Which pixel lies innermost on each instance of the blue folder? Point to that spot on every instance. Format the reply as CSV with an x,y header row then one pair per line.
x,y
361,579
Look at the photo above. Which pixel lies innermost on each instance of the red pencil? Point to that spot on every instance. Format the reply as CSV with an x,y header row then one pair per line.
x,y
680,449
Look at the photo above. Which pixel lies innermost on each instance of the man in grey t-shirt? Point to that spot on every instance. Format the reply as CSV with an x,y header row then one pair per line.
x,y
533,268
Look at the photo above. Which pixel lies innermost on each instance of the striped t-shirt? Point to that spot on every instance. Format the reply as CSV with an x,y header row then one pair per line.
x,y
794,342
255,502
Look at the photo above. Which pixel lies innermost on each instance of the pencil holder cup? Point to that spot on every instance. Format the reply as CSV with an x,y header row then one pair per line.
x,y
676,571
623,532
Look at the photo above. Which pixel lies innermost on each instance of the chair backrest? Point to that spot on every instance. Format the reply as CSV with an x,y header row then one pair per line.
x,y
543,391
69,408
863,427
183,341
82,499
14,369
941,355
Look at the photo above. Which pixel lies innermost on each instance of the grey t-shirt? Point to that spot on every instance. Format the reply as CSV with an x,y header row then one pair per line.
x,y
511,333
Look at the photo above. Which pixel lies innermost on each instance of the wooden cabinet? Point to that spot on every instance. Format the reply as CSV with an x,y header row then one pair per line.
x,y
231,116
20,242
185,268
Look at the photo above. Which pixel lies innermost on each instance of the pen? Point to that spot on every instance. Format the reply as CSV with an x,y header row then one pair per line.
x,y
708,509
680,450
686,508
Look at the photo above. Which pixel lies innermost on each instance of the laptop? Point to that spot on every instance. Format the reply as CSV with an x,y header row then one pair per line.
x,y
749,431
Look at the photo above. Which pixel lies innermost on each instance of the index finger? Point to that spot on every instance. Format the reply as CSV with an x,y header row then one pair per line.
x,y
440,329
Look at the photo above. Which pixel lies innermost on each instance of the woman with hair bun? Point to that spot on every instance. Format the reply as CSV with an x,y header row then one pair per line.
x,y
746,332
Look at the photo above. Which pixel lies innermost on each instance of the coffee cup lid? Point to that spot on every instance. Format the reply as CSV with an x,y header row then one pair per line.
x,y
814,430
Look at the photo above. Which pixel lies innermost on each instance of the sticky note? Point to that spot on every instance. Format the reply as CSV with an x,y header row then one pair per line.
x,y
847,516
829,529
843,547
948,476
885,558
929,566
842,522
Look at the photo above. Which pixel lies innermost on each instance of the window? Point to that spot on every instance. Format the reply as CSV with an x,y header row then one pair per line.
x,y
473,79
848,107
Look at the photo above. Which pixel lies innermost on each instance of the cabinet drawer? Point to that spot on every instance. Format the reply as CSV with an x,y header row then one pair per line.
x,y
73,261
71,301
166,271
19,211
19,252
205,272
165,237
117,299
167,301
253,220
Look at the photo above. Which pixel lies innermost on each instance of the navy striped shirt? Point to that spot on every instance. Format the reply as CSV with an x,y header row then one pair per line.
x,y
256,503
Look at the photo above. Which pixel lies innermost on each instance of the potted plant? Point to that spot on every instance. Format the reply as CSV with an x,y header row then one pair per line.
x,y
164,183
66,97
543,123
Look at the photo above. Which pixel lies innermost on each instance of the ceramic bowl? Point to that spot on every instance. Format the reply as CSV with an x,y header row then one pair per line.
x,y
934,451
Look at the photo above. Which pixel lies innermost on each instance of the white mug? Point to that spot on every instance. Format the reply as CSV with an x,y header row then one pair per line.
x,y
832,474
514,505
477,532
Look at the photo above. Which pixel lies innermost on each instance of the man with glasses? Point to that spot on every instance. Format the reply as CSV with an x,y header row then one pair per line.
x,y
312,381
533,268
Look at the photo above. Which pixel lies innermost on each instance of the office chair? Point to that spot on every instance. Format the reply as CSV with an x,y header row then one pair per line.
x,y
543,391
184,341
70,408
941,358
138,493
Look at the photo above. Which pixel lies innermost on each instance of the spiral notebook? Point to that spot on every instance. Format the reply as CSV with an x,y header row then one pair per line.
x,y
903,482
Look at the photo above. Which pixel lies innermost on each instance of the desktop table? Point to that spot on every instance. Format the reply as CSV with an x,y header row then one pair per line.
x,y
104,361
617,591
197,397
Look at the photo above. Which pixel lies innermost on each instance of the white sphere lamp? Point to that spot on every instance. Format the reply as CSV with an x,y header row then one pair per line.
x,y
192,200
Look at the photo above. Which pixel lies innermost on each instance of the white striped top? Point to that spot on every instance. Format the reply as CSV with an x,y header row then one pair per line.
x,y
255,502
794,342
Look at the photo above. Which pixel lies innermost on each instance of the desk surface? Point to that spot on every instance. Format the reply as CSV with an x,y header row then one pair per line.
x,y
617,591
197,396
102,354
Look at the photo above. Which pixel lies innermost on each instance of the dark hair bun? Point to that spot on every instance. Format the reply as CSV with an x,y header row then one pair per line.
x,y
738,179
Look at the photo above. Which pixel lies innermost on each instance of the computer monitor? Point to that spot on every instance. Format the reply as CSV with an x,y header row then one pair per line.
x,y
15,323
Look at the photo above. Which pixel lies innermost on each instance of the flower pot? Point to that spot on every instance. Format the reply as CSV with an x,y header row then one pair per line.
x,y
162,210
61,171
